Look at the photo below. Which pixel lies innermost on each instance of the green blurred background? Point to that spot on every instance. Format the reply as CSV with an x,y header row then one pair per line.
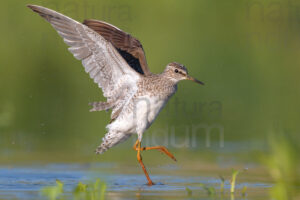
x,y
247,53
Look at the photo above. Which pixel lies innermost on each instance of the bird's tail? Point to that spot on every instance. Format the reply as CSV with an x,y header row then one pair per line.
x,y
111,139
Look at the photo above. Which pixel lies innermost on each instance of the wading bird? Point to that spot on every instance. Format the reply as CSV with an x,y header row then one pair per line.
x,y
116,62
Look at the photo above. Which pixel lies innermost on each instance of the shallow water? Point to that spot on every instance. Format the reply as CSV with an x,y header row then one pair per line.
x,y
26,182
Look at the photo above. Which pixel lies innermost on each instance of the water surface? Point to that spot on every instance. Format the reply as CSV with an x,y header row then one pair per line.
x,y
26,182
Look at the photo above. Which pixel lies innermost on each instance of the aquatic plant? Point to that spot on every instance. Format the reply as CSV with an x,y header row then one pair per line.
x,y
222,184
91,191
52,192
244,191
189,191
210,190
233,180
80,191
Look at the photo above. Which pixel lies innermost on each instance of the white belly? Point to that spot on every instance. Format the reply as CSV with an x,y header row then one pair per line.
x,y
156,105
144,112
147,110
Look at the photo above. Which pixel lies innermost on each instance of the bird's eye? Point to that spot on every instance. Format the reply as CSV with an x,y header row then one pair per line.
x,y
176,70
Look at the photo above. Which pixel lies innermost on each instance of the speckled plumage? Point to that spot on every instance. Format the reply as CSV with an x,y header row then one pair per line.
x,y
152,94
116,62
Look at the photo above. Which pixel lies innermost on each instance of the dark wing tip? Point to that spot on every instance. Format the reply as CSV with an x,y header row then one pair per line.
x,y
30,5
33,7
129,47
87,21
40,10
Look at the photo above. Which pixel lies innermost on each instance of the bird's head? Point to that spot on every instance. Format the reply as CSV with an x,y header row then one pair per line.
x,y
177,72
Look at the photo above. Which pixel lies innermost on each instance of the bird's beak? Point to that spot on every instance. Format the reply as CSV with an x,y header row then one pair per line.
x,y
195,80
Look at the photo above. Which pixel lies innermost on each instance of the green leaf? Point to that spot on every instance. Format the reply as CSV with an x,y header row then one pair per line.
x,y
189,191
52,192
244,191
233,180
222,184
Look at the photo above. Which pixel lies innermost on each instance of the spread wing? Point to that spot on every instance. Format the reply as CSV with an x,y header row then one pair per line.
x,y
99,57
129,47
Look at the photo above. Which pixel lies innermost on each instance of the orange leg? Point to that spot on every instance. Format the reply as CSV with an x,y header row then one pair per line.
x,y
137,147
162,149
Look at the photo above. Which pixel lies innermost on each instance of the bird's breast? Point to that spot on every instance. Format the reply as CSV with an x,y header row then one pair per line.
x,y
150,100
150,107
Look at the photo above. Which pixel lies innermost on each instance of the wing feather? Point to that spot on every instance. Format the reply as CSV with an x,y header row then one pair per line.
x,y
99,57
101,60
129,47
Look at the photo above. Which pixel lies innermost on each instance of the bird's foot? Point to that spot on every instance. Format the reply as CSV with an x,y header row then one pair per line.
x,y
150,183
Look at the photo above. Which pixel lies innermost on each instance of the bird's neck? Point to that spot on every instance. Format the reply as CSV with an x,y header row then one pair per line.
x,y
158,84
167,76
